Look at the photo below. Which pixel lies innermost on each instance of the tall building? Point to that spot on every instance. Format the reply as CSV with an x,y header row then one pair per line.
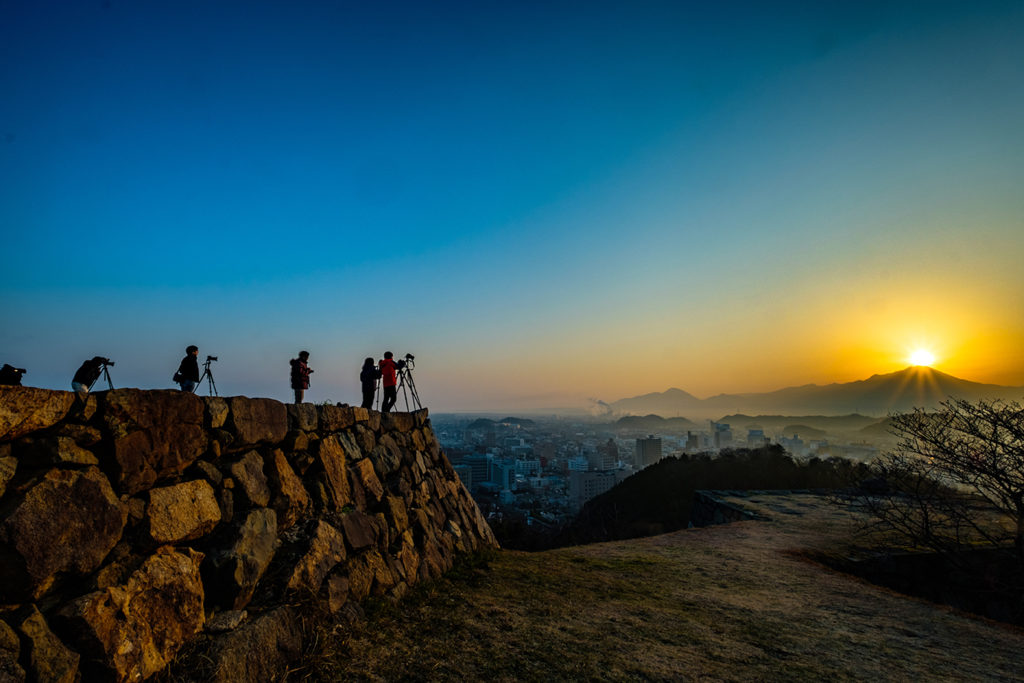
x,y
722,434
479,465
608,456
648,451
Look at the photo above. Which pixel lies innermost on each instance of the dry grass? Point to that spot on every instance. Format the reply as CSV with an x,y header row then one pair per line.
x,y
734,602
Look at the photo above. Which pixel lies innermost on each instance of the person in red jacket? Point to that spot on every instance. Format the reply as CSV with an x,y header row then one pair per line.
x,y
389,380
300,375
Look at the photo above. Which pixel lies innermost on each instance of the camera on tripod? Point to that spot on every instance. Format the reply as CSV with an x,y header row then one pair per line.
x,y
211,358
104,361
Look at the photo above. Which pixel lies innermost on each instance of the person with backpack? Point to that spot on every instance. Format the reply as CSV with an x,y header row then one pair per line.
x,y
368,377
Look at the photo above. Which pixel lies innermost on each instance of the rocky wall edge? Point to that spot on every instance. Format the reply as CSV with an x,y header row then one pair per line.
x,y
136,522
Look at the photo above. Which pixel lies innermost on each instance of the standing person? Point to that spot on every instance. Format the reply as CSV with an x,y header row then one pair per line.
x,y
300,375
388,373
187,375
369,377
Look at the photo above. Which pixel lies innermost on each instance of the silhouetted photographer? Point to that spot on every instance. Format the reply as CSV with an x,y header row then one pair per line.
x,y
11,376
86,376
187,376
300,375
389,378
368,377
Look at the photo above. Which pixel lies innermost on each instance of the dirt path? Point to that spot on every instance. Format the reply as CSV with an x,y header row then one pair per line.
x,y
734,602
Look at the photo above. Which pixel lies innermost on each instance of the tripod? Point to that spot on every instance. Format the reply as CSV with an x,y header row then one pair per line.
x,y
408,386
207,373
106,376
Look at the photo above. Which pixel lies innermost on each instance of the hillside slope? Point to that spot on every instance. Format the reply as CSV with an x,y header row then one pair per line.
x,y
733,602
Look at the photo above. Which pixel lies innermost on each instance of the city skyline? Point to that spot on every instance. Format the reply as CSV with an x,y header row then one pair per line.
x,y
544,204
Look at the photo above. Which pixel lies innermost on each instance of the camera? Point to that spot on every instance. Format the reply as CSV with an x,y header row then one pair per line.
x,y
409,356
211,358
106,361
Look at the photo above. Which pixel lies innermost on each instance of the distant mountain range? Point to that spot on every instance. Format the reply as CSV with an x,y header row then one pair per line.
x,y
878,395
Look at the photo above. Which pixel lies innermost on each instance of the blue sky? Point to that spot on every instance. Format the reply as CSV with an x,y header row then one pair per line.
x,y
543,201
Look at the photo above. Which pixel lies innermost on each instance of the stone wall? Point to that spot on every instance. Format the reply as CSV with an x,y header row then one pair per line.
x,y
137,522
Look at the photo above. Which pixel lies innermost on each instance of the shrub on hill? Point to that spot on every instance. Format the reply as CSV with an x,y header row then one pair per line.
x,y
658,499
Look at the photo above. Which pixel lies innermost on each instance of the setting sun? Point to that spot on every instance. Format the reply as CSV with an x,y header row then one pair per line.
x,y
922,357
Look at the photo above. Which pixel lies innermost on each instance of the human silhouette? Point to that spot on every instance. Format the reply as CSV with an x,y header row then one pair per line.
x,y
389,380
300,375
187,375
369,376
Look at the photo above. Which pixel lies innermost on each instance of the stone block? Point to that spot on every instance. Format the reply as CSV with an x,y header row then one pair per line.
x,y
289,497
421,417
65,524
302,417
335,418
217,410
10,650
182,512
326,550
248,474
260,650
209,472
156,434
365,439
257,421
396,512
363,471
24,410
359,529
331,457
360,414
373,421
397,422
337,592
82,435
386,457
47,657
137,628
232,575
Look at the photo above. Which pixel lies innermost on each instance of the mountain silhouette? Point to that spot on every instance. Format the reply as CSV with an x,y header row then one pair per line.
x,y
912,387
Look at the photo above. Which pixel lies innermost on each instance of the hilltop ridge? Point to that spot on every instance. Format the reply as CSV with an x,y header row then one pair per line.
x,y
878,395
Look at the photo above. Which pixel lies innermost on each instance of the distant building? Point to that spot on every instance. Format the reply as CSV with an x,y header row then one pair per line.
x,y
578,464
756,438
527,467
465,473
607,456
479,465
722,434
503,474
794,445
648,452
585,485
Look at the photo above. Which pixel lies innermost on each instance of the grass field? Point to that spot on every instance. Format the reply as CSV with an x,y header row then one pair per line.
x,y
733,602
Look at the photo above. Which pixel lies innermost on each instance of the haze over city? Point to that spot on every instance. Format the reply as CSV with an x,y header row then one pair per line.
x,y
545,203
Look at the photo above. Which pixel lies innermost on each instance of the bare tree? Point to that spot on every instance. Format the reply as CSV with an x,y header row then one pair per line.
x,y
956,478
